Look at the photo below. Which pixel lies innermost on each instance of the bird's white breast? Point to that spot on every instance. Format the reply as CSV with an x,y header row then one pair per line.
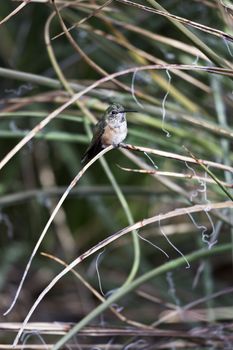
x,y
114,135
120,133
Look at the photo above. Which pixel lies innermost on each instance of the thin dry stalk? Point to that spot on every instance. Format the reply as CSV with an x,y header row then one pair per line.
x,y
55,113
112,238
177,157
15,11
177,175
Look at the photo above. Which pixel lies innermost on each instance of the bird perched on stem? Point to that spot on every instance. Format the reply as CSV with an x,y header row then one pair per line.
x,y
111,129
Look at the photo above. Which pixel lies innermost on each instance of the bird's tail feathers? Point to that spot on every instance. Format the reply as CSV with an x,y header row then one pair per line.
x,y
91,152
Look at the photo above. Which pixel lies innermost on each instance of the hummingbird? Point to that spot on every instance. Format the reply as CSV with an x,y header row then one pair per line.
x,y
111,129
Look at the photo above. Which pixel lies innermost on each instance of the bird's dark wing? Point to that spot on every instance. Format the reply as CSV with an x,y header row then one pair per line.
x,y
96,145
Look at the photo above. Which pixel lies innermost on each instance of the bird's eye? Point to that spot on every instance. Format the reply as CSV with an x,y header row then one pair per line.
x,y
114,112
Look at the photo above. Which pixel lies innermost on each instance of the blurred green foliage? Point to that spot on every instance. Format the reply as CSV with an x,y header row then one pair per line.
x,y
194,109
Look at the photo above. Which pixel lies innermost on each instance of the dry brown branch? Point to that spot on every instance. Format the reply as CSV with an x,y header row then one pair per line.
x,y
177,157
98,295
199,26
13,13
107,241
74,98
190,176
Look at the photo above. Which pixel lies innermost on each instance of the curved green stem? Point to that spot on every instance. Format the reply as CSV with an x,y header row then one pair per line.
x,y
104,164
128,213
203,253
